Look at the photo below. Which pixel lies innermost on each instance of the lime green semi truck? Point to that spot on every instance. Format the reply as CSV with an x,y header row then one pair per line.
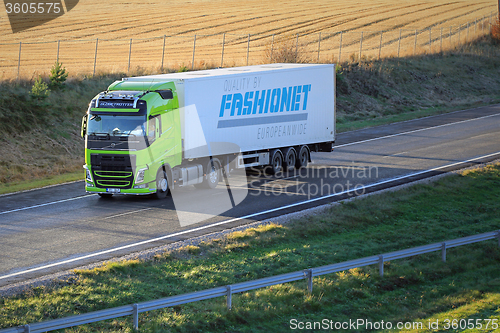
x,y
149,134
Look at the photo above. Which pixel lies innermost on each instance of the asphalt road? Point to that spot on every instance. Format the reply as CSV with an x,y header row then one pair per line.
x,y
60,227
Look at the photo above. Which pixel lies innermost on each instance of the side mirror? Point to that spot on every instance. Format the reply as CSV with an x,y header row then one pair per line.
x,y
84,126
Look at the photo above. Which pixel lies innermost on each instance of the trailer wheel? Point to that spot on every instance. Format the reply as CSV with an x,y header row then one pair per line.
x,y
290,159
162,187
212,177
302,158
276,162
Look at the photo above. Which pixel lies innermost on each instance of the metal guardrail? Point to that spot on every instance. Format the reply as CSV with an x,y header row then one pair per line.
x,y
309,274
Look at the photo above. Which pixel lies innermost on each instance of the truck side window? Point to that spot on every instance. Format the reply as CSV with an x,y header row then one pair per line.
x,y
158,126
152,129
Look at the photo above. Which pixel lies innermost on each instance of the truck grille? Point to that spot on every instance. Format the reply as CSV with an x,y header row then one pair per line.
x,y
113,174
114,183
113,170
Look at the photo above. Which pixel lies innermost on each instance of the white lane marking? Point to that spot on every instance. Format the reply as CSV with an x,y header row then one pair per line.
x,y
397,154
47,204
239,218
135,211
414,131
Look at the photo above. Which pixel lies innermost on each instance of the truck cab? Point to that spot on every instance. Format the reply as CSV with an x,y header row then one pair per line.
x,y
132,134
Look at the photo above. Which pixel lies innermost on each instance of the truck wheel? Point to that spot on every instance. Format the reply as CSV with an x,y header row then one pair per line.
x,y
162,188
276,162
290,159
212,177
302,158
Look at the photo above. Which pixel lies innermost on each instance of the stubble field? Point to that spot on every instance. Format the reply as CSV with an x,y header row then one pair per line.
x,y
121,36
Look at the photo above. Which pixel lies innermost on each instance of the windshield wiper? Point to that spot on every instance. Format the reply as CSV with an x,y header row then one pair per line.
x,y
100,135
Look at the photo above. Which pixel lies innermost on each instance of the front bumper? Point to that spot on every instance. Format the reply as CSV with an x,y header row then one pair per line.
x,y
138,191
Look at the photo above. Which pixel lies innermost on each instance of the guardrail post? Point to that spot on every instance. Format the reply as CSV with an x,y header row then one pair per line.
x,y
228,297
443,251
381,265
136,317
27,329
309,276
498,237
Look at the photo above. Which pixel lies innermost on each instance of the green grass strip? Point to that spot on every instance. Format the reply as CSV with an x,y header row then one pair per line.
x,y
420,289
38,183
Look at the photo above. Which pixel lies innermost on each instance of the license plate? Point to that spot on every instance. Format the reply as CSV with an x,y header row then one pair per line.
x,y
113,190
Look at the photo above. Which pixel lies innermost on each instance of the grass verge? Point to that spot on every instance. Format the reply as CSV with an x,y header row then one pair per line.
x,y
352,125
418,289
39,183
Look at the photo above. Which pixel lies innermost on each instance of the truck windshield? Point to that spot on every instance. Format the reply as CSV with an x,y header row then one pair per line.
x,y
116,125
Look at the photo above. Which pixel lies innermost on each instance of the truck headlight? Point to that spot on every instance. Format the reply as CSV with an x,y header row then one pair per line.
x,y
140,175
88,174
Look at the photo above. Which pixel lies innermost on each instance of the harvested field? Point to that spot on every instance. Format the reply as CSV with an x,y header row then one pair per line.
x,y
120,36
